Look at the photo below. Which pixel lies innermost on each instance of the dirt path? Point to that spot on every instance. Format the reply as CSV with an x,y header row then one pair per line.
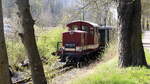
x,y
72,74
146,40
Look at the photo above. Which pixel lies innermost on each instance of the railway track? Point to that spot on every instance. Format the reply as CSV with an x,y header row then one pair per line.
x,y
61,71
25,78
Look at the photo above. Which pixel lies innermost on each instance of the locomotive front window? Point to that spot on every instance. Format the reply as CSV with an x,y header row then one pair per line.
x,y
70,45
75,27
85,28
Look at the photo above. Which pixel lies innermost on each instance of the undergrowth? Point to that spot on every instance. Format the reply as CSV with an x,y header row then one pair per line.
x,y
16,52
46,41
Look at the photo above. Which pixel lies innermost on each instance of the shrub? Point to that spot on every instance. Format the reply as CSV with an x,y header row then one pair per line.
x,y
47,42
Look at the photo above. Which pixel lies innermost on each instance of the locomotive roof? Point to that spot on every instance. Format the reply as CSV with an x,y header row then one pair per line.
x,y
84,22
77,31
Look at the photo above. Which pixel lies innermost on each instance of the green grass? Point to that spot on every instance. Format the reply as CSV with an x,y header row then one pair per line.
x,y
109,73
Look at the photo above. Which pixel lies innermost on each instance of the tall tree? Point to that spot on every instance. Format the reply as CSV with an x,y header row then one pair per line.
x,y
131,48
28,38
4,70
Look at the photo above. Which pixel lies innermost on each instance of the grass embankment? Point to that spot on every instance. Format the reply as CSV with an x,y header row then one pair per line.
x,y
109,73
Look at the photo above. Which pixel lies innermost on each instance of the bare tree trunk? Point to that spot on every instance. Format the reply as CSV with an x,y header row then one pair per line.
x,y
131,48
4,70
138,55
28,39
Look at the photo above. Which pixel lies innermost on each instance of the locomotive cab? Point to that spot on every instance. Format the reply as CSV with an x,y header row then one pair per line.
x,y
82,34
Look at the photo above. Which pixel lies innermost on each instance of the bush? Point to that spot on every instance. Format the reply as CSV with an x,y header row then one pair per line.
x,y
15,50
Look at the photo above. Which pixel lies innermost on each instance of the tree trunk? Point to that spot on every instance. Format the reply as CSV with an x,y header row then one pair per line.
x,y
28,39
131,52
138,55
4,70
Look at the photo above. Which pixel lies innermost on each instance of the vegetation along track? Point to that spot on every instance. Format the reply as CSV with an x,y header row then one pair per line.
x,y
23,78
57,70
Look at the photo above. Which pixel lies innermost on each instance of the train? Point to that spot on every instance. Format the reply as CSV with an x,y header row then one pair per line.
x,y
82,42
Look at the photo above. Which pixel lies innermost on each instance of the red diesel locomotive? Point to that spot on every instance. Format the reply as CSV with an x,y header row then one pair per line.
x,y
81,42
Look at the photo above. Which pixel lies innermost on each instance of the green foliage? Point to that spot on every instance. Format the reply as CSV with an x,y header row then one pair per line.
x,y
16,51
47,42
109,73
